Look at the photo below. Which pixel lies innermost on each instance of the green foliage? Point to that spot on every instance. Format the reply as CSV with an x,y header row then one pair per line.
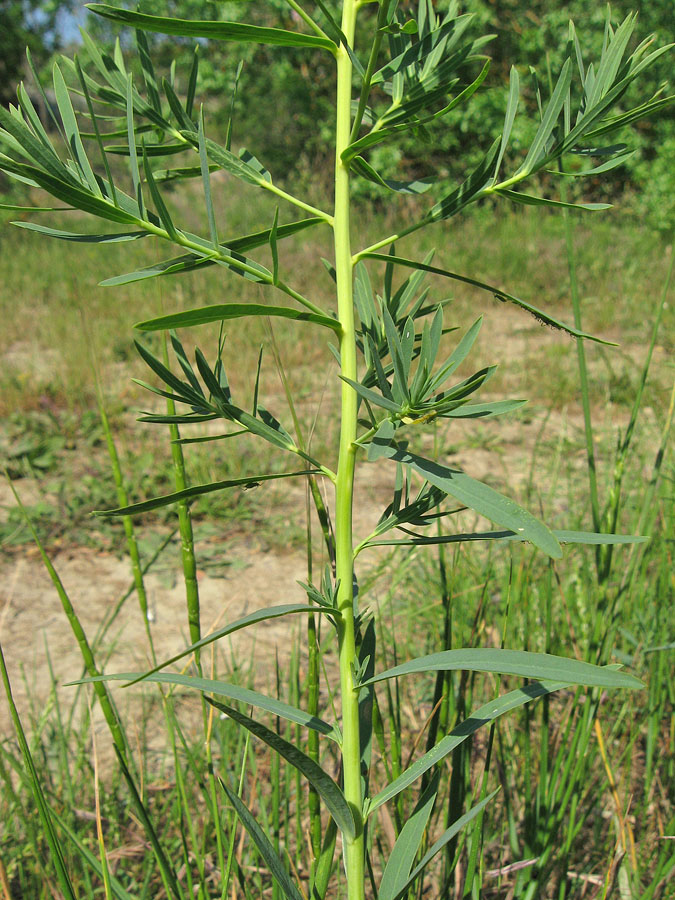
x,y
396,376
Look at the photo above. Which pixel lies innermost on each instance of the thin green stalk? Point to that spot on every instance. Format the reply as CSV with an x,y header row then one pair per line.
x,y
123,500
583,368
354,847
624,446
101,690
193,608
187,542
48,829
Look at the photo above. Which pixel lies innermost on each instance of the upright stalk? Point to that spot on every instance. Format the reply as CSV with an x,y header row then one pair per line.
x,y
354,848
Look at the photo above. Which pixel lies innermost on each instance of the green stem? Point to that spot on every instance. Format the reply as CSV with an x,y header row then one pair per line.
x,y
123,500
354,847
583,368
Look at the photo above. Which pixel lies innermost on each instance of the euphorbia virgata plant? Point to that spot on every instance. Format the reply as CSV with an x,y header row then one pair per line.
x,y
388,351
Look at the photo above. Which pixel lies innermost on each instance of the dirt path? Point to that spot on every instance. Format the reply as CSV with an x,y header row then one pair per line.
x,y
259,574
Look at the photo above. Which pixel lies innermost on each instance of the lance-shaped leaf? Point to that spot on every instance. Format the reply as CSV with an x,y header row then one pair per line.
x,y
497,292
260,615
197,490
471,189
548,122
443,841
529,200
76,196
399,865
590,538
230,161
320,780
474,494
223,31
182,118
158,200
262,842
224,689
373,396
537,666
361,167
479,717
119,237
72,131
223,311
509,116
485,410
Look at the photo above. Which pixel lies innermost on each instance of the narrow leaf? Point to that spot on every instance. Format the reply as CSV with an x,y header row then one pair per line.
x,y
224,311
197,491
443,840
224,689
267,851
321,781
206,181
224,31
537,666
397,870
479,717
529,200
473,494
509,117
549,120
157,199
498,293
119,237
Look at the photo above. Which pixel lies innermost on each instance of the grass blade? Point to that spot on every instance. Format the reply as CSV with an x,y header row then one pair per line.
x,y
43,810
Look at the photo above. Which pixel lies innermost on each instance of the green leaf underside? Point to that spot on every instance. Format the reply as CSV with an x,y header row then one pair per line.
x,y
224,31
224,689
498,293
221,312
321,781
267,851
474,494
537,666
197,491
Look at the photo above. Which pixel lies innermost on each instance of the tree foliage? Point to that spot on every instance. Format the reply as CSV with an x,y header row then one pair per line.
x,y
35,24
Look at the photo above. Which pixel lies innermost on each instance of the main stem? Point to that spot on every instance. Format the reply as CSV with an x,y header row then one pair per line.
x,y
354,847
